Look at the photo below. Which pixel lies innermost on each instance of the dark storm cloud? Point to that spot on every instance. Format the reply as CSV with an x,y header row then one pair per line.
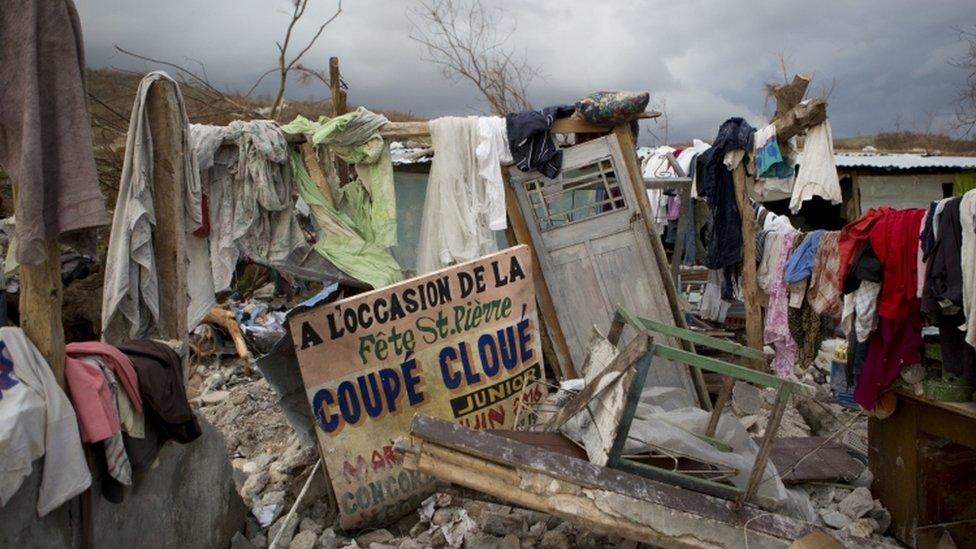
x,y
885,61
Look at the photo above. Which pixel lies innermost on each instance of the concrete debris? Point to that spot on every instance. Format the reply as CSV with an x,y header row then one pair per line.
x,y
303,540
747,399
857,503
835,519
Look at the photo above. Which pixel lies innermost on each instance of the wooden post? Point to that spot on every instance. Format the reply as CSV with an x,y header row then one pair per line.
x,y
40,308
759,467
169,237
335,85
750,288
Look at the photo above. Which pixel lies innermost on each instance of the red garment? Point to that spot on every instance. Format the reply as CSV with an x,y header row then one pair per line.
x,y
115,359
894,238
854,235
93,401
892,346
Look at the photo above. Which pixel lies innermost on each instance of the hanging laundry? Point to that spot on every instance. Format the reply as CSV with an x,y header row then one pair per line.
x,y
767,152
967,223
531,145
36,419
160,374
854,235
493,152
116,360
340,239
818,173
893,346
250,197
355,138
45,129
725,235
800,264
455,224
712,306
688,162
777,329
824,293
130,307
116,461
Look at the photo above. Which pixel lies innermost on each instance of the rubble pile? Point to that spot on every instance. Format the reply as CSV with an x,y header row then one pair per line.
x,y
271,467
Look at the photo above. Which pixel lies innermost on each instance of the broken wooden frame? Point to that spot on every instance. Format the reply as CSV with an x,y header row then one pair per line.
x,y
639,355
604,500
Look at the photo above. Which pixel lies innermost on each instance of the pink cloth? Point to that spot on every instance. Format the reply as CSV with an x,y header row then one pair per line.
x,y
777,330
115,359
892,346
92,398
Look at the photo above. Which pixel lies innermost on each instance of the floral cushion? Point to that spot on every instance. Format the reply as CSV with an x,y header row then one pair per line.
x,y
612,107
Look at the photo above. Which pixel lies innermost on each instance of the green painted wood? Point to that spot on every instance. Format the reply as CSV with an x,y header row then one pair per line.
x,y
688,335
732,370
630,408
705,486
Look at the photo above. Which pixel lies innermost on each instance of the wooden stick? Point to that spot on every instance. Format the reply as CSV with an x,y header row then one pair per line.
x,y
723,398
169,237
750,288
759,467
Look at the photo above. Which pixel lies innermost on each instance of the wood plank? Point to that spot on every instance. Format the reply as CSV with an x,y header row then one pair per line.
x,y
552,442
759,466
551,470
734,370
547,306
636,349
799,118
808,459
167,128
629,149
750,287
789,95
689,335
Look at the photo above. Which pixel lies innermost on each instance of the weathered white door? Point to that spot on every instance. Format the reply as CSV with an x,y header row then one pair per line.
x,y
595,251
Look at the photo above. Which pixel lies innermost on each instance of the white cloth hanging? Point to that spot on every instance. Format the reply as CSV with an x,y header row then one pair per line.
x,y
455,226
818,173
967,221
130,305
493,152
36,419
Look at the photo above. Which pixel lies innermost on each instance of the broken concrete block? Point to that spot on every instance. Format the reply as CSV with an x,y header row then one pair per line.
x,y
287,528
857,503
862,527
835,519
303,540
498,524
554,540
376,536
747,399
254,484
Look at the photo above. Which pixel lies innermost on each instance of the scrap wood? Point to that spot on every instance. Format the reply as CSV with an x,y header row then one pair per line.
x,y
604,500
602,381
226,320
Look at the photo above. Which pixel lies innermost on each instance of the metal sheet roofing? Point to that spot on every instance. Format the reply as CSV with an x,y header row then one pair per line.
x,y
903,161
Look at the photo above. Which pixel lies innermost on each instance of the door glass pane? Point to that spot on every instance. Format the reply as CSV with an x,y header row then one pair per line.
x,y
578,193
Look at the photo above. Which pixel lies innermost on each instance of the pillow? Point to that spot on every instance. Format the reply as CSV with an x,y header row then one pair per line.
x,y
612,107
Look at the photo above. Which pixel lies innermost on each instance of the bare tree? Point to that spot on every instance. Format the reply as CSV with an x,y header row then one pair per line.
x,y
471,42
966,107
284,64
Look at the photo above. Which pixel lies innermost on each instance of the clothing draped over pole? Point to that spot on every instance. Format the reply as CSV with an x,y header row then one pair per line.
x,y
130,307
818,173
455,227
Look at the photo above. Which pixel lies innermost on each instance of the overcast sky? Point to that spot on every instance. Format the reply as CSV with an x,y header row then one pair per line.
x,y
885,60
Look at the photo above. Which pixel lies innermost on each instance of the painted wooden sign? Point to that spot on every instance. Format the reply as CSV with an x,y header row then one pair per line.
x,y
460,344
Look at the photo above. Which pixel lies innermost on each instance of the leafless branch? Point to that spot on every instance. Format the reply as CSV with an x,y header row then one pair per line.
x,y
471,42
284,64
966,106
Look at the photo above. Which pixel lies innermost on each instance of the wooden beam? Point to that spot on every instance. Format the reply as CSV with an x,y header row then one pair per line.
x,y
335,87
799,118
750,287
169,237
547,307
759,466
789,95
629,150
40,308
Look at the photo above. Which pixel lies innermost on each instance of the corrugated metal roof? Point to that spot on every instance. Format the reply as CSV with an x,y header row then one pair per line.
x,y
903,161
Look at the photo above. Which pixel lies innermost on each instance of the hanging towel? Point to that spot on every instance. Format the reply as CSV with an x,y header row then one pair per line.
x,y
800,264
493,152
355,138
45,129
36,419
777,329
818,173
455,226
967,222
116,360
130,306
341,239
